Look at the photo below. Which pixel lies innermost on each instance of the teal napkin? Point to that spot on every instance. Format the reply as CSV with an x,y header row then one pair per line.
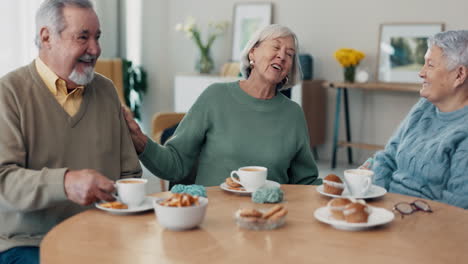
x,y
267,195
193,189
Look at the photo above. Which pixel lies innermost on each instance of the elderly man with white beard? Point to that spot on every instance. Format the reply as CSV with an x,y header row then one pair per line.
x,y
63,138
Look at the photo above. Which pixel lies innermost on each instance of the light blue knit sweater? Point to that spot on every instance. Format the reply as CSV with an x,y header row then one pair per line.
x,y
427,156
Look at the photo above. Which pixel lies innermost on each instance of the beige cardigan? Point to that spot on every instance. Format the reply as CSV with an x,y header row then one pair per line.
x,y
39,141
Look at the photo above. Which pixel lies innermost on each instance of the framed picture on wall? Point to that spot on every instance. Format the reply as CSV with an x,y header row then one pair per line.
x,y
401,50
248,18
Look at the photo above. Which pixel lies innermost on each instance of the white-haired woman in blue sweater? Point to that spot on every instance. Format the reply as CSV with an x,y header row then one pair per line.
x,y
428,155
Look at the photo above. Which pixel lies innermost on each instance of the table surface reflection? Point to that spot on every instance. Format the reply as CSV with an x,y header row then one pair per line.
x,y
95,236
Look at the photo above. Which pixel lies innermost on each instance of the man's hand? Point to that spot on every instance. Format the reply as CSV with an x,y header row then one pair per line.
x,y
85,187
139,139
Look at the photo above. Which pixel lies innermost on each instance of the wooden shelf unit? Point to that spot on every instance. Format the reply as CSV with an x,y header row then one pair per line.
x,y
376,86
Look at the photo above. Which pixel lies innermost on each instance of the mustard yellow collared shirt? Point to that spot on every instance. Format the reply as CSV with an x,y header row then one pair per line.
x,y
69,101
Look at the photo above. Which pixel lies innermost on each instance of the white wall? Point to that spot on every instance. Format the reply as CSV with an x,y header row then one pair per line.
x,y
321,26
107,11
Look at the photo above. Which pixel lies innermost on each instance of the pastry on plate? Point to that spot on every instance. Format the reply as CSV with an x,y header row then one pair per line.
x,y
332,184
356,212
114,205
233,185
337,206
263,219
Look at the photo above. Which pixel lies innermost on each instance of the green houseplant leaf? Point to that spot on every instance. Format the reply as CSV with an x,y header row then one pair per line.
x,y
135,86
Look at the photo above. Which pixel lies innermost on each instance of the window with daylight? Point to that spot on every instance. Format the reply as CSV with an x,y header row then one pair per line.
x,y
17,46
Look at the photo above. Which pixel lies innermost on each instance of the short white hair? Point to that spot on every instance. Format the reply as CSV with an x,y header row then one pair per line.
x,y
454,45
50,15
271,32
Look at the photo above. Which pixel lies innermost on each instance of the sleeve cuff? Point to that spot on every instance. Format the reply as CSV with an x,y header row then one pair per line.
x,y
55,184
149,150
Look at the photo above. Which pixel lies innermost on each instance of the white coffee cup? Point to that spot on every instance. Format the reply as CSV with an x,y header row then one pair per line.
x,y
131,191
250,177
358,181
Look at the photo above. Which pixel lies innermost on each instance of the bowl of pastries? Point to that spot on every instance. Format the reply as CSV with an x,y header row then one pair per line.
x,y
180,211
261,219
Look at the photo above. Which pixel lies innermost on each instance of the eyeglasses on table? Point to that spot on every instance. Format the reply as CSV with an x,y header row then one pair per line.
x,y
405,208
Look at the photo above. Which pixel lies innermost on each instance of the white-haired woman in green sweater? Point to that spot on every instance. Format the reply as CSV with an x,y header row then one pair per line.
x,y
241,123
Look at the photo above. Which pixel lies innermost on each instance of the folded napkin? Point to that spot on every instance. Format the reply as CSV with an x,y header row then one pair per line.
x,y
193,189
267,195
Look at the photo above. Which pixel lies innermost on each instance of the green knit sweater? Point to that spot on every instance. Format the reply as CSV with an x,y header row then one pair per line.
x,y
39,141
226,129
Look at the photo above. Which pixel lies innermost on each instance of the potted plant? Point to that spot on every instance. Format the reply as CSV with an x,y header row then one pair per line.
x,y
135,86
205,62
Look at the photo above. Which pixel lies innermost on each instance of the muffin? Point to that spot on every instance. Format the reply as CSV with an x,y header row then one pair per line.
x,y
337,206
356,212
332,184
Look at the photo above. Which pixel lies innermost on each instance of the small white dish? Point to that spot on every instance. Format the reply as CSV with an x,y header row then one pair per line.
x,y
180,218
377,217
144,206
261,224
374,192
268,183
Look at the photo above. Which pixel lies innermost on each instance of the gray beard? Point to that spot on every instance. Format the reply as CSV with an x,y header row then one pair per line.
x,y
82,78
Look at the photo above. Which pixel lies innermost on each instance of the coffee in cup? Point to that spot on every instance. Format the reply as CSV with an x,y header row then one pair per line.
x,y
130,181
250,177
131,191
358,182
252,169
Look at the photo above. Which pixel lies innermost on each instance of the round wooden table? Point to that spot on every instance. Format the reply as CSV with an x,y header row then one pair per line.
x,y
95,236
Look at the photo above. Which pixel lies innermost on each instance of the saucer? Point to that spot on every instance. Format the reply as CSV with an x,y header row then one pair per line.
x,y
144,206
377,217
374,192
268,183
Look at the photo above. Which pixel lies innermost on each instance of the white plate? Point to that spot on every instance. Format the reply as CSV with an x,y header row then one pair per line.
x,y
145,206
378,216
268,183
374,192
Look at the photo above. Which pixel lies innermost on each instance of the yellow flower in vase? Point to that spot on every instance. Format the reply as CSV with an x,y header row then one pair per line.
x,y
205,63
349,59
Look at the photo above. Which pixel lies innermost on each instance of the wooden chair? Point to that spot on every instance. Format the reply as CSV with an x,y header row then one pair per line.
x,y
162,121
112,69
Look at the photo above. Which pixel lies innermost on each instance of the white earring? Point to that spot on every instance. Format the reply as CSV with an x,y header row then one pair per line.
x,y
251,62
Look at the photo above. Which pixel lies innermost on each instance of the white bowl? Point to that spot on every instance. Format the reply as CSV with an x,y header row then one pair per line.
x,y
180,218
